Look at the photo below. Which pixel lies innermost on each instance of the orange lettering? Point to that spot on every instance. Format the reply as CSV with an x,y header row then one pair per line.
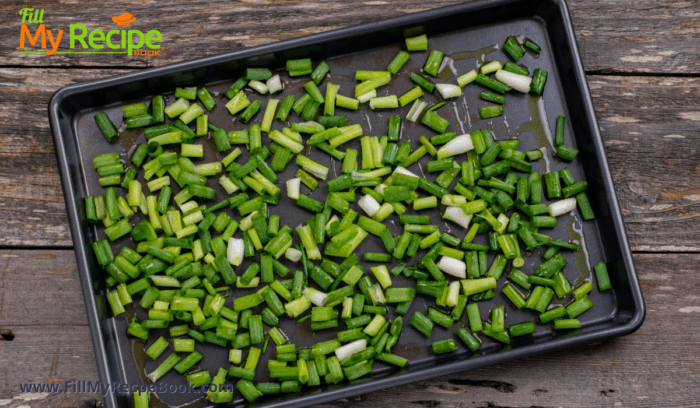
x,y
54,45
41,31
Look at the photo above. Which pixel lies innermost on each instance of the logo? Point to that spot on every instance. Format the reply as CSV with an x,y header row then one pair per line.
x,y
124,19
32,16
81,40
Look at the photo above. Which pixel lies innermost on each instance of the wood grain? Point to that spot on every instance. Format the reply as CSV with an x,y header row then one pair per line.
x,y
647,368
649,126
42,310
644,36
32,210
34,283
42,400
45,354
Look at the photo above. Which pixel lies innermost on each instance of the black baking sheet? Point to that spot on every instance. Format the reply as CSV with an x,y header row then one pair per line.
x,y
469,33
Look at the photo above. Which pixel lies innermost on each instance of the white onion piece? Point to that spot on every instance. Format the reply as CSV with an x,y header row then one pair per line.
x,y
293,186
457,215
228,185
369,205
416,110
452,266
274,84
376,293
349,349
235,251
516,81
293,254
562,207
504,220
316,297
458,145
403,170
448,91
366,97
258,86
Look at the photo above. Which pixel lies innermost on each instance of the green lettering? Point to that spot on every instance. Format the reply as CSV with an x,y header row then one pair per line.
x,y
153,35
138,45
80,38
109,42
26,12
96,35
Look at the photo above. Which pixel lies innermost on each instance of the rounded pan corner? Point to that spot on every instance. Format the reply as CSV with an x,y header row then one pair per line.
x,y
58,98
640,313
638,319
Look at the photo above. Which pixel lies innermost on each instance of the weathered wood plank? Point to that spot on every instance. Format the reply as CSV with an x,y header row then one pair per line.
x,y
644,36
647,368
33,283
650,129
45,354
48,400
648,124
42,317
614,36
32,210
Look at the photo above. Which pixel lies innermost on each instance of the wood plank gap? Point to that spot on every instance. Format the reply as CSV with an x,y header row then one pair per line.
x,y
606,72
34,248
96,67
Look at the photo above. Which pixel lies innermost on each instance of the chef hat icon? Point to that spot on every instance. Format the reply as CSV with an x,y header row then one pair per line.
x,y
124,19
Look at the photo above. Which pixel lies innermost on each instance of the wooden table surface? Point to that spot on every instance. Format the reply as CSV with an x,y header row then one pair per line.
x,y
642,61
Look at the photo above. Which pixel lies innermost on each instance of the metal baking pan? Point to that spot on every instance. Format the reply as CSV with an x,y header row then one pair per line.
x,y
470,33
